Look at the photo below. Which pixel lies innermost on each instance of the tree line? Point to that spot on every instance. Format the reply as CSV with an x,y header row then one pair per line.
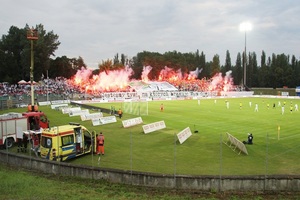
x,y
275,71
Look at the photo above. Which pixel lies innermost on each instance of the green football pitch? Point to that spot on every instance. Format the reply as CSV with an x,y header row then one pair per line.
x,y
275,149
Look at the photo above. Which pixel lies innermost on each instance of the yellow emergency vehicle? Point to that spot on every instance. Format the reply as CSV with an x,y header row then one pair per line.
x,y
66,142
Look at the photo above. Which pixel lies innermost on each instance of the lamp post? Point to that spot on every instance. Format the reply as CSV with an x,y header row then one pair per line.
x,y
245,26
32,35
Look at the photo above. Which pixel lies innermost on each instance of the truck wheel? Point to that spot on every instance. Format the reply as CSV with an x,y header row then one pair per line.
x,y
9,143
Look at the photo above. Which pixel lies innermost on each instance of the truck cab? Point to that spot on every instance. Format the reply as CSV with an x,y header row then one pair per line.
x,y
36,120
66,142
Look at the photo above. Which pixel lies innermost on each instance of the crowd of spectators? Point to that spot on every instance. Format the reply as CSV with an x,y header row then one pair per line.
x,y
57,86
61,86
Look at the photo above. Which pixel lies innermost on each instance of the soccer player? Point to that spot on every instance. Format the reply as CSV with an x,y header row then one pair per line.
x,y
227,104
256,108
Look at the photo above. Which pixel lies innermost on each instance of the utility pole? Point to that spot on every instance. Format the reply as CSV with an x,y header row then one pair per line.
x,y
32,35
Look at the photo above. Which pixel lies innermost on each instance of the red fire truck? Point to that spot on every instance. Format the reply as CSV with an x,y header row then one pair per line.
x,y
13,124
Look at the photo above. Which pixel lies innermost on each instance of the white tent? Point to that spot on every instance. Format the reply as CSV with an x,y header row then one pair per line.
x,y
22,82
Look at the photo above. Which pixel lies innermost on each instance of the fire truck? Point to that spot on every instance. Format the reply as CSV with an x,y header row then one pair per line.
x,y
12,125
66,142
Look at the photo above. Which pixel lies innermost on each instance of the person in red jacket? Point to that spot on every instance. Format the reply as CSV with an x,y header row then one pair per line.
x,y
100,144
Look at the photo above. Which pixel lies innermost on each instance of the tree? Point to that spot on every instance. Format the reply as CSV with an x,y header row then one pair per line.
x,y
205,71
13,53
215,65
252,78
227,66
238,70
296,72
263,72
105,66
17,56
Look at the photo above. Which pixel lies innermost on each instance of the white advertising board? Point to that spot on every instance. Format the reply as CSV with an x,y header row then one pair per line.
x,y
91,116
104,120
132,122
184,135
148,128
78,112
58,105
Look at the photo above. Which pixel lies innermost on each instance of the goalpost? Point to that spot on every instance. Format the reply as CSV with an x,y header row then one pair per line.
x,y
136,107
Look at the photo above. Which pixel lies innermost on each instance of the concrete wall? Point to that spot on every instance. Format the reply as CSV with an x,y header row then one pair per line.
x,y
274,183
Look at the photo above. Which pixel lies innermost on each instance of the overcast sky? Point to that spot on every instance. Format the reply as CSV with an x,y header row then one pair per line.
x,y
97,30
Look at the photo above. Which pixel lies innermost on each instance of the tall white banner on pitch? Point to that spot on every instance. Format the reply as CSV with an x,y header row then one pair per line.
x,y
184,135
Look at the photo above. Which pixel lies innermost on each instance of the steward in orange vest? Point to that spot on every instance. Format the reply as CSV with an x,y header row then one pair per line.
x,y
100,144
120,113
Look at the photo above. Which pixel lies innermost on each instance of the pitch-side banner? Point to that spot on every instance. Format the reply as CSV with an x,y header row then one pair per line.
x,y
91,116
184,135
132,122
67,110
59,105
104,120
148,128
78,112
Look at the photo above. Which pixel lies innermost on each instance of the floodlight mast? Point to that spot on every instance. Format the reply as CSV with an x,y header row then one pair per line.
x,y
245,26
32,35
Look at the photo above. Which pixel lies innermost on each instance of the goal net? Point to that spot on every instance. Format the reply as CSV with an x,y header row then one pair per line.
x,y
139,107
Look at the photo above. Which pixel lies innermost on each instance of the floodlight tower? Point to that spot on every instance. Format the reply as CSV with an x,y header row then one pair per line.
x,y
32,35
245,26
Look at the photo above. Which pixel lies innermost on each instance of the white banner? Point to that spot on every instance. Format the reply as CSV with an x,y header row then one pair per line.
x,y
184,135
154,126
67,110
44,103
60,101
104,120
132,122
91,116
59,105
78,112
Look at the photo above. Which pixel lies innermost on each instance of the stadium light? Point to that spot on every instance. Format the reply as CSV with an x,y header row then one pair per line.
x,y
245,26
